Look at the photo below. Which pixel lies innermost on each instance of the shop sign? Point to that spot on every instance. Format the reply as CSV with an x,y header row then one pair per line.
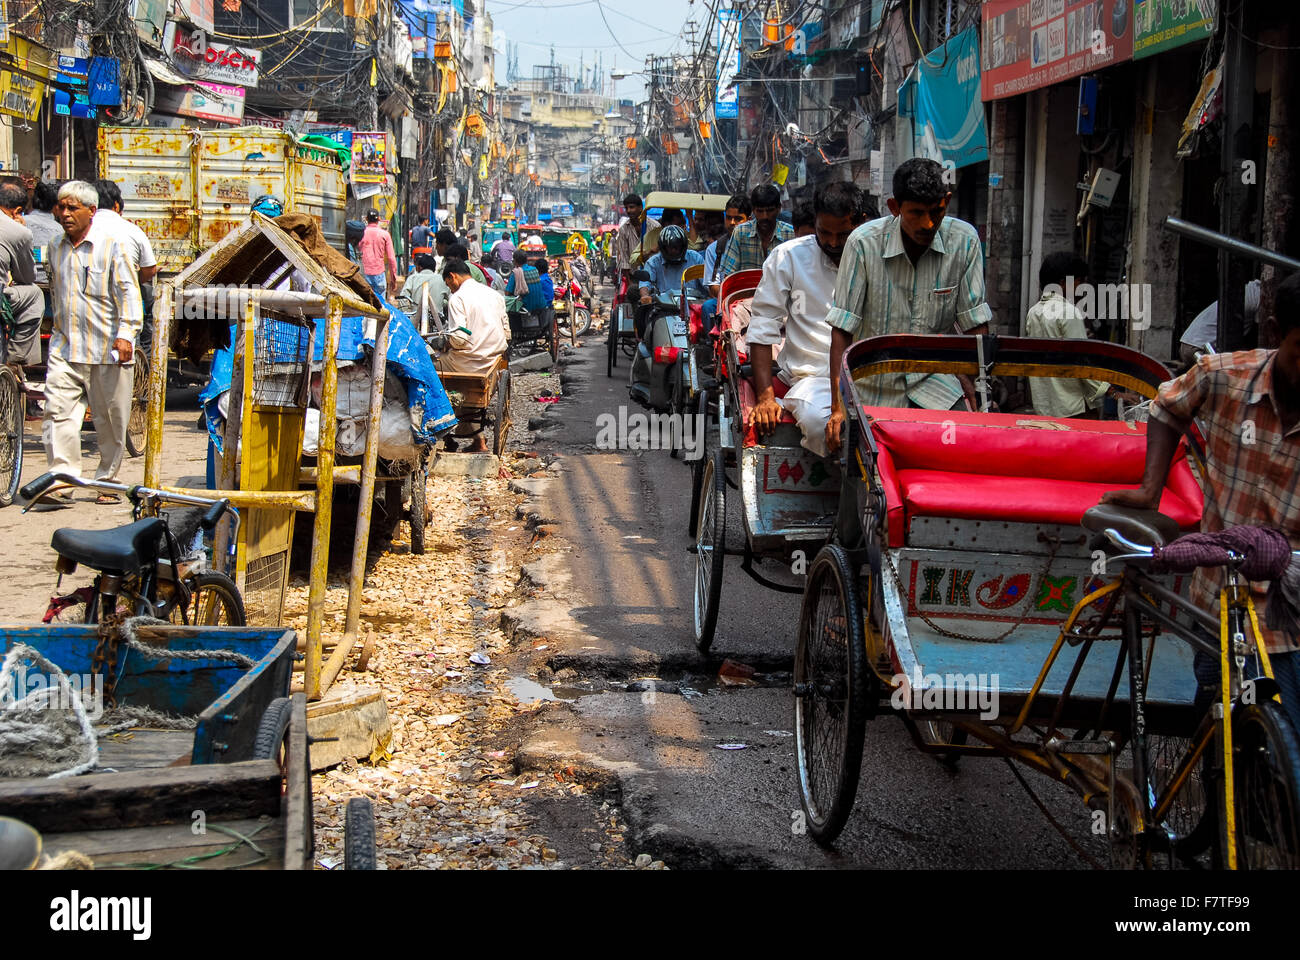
x,y
1028,44
21,96
1160,25
210,101
197,55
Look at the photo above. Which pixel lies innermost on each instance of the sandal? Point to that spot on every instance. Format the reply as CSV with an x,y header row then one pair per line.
x,y
61,499
106,499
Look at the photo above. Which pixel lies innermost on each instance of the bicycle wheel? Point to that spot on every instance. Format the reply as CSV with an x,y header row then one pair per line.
x,y
1266,767
211,600
137,424
833,693
12,404
710,551
1189,823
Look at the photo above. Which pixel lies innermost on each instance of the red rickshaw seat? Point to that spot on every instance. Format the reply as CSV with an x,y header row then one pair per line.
x,y
969,466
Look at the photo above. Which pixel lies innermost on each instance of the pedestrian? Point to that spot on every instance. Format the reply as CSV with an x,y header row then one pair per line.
x,y
1054,317
754,239
789,310
18,274
1203,331
378,259
95,295
503,251
1250,476
916,271
420,236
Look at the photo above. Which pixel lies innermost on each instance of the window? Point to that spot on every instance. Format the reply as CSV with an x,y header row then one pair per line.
x,y
302,11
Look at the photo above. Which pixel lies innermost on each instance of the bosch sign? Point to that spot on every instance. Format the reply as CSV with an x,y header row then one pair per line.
x,y
199,57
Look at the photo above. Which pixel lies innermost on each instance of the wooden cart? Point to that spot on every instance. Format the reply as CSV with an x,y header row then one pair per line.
x,y
483,400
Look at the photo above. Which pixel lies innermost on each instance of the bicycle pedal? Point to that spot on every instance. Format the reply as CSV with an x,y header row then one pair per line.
x,y
1100,747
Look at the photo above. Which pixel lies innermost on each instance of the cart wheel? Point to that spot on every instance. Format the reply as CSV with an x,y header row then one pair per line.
x,y
272,740
676,406
12,414
833,693
710,551
697,467
137,424
359,835
418,514
501,420
1190,822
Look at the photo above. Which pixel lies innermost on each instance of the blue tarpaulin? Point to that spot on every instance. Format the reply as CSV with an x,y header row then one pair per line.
x,y
942,96
408,359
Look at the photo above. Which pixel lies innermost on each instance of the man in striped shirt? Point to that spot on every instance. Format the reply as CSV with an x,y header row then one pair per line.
x,y
95,298
914,272
1248,407
754,239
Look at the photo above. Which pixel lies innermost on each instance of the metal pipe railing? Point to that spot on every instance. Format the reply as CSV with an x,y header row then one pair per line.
x,y
1231,244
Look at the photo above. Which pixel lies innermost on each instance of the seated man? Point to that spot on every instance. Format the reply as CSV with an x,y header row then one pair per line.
x,y
426,274
544,278
476,320
18,279
666,268
524,286
795,293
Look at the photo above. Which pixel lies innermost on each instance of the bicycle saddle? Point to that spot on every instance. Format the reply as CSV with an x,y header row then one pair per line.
x,y
119,550
1151,528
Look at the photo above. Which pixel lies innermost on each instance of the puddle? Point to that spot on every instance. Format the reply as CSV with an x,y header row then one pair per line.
x,y
527,689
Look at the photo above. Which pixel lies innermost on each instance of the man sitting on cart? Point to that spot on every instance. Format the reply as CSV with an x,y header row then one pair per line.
x,y
666,268
795,294
478,333
917,249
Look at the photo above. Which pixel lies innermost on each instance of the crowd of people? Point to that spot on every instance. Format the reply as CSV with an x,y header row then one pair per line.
x,y
67,252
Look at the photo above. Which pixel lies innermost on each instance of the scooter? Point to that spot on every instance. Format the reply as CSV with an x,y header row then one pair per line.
x,y
664,373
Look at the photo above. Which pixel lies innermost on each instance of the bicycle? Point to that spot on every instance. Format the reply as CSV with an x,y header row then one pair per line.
x,y
1244,752
141,563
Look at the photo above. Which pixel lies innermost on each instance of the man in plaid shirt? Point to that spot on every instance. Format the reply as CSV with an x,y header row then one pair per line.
x,y
1248,405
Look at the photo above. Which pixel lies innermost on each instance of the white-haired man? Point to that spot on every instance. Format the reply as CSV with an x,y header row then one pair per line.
x,y
95,299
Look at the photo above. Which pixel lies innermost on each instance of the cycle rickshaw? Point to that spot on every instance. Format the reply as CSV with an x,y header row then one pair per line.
x,y
972,583
788,494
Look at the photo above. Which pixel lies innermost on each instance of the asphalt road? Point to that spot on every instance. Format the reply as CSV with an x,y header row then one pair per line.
x,y
628,582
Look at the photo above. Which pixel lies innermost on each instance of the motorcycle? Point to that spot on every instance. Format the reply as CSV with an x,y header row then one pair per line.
x,y
665,376
572,308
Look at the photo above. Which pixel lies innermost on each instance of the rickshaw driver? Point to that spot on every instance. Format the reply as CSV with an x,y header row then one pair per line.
x,y
1253,477
627,242
917,249
795,293
666,268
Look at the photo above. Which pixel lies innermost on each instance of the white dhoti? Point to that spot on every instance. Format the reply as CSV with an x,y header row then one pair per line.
x,y
809,401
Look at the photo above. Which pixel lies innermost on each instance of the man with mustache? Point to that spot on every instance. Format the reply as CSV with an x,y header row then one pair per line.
x,y
917,271
753,240
795,292
629,241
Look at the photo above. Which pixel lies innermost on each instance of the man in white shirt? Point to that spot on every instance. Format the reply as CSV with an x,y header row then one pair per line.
x,y
95,297
1205,328
40,221
478,330
138,249
1055,318
796,292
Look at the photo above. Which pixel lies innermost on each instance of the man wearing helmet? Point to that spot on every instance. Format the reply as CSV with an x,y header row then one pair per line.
x,y
666,268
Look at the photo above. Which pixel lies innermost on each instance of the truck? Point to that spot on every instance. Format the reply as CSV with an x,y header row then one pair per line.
x,y
188,187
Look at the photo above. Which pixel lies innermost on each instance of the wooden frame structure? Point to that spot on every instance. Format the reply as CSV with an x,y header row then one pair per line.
x,y
246,275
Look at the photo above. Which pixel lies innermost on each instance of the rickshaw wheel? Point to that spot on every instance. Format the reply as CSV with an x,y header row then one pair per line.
x,y
943,731
833,692
554,338
1266,765
697,469
611,343
1190,823
710,551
